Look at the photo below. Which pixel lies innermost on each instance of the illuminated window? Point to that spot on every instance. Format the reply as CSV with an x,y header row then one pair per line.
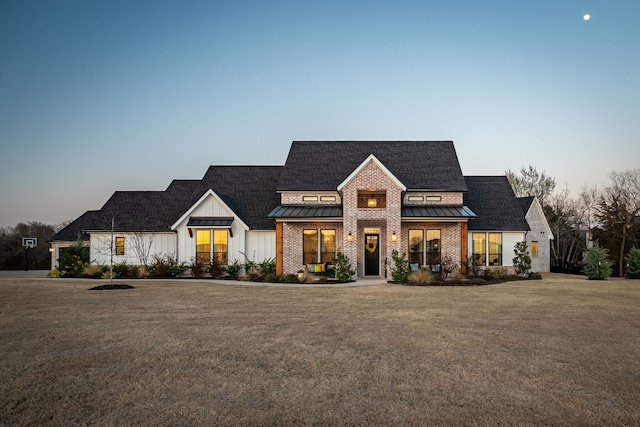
x,y
220,246
479,249
416,198
433,198
327,245
534,248
434,255
416,247
309,198
372,199
219,250
119,245
203,247
310,246
495,248
327,198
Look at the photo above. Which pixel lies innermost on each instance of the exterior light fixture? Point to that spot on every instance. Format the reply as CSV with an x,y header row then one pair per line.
x,y
394,237
350,237
372,203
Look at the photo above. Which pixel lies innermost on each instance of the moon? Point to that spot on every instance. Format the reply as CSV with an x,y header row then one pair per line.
x,y
586,17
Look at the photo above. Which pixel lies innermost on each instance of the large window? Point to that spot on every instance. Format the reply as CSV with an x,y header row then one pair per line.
x,y
119,245
479,249
220,246
310,246
495,248
327,245
433,249
416,248
219,250
534,248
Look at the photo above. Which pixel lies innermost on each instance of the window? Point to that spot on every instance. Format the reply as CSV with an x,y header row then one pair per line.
x,y
372,199
434,198
327,198
203,247
310,246
119,245
433,248
479,249
327,246
495,248
309,198
416,247
416,198
220,249
534,248
220,246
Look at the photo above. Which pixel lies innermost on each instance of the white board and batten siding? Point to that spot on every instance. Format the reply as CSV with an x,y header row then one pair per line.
x,y
160,244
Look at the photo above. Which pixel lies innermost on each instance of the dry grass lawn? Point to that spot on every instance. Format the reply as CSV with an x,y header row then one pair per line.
x,y
561,351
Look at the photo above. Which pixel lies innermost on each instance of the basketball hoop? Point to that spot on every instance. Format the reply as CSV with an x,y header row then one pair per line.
x,y
29,242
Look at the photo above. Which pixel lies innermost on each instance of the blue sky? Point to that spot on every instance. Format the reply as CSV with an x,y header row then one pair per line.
x,y
99,96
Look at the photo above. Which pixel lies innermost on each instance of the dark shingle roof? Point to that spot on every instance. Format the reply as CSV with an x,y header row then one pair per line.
x,y
420,165
525,203
250,191
493,201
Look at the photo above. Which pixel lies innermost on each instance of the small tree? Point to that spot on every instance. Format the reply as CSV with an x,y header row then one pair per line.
x,y
598,266
633,263
342,267
448,265
400,269
522,260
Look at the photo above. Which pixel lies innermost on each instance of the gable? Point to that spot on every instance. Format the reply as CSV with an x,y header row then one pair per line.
x,y
418,165
493,201
371,161
210,205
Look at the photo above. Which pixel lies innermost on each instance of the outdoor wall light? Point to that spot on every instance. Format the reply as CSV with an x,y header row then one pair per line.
x,y
350,237
372,203
394,237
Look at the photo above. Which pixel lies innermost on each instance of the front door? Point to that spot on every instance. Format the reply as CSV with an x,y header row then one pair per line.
x,y
371,255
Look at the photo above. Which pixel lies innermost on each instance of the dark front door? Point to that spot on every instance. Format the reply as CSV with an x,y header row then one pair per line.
x,y
371,255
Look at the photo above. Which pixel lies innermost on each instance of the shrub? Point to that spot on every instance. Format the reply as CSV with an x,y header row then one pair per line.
x,y
497,273
535,276
215,269
166,266
54,274
475,265
290,278
522,260
271,278
448,265
268,266
197,270
422,276
400,269
143,272
342,267
93,271
598,266
233,269
633,264
74,259
125,270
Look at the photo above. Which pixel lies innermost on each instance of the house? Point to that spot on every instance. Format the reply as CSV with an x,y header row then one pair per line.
x,y
363,198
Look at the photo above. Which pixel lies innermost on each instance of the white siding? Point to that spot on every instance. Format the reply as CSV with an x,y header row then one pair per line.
x,y
100,251
260,245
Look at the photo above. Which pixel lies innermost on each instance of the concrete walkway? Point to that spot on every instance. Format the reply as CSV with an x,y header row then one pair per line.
x,y
42,274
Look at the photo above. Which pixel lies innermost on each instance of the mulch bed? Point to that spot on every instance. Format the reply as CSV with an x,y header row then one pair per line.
x,y
111,286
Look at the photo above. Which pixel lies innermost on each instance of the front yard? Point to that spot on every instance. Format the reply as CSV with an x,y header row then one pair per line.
x,y
562,350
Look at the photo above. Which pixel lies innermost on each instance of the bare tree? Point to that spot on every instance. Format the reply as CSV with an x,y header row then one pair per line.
x,y
618,207
141,243
529,182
